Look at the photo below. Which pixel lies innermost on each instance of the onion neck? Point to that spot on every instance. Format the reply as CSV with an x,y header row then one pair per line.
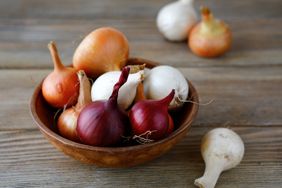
x,y
84,97
210,25
136,68
58,65
165,101
210,177
122,79
140,93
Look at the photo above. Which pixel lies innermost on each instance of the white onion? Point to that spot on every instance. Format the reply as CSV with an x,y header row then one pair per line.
x,y
103,86
176,19
161,80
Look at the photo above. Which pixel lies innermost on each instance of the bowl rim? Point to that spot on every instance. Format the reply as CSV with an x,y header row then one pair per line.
x,y
65,141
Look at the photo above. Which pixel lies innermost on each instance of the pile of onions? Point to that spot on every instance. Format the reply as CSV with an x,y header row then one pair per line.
x,y
60,87
211,37
103,123
67,121
133,103
105,49
150,120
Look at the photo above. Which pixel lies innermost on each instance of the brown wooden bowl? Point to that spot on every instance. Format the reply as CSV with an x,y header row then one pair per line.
x,y
125,156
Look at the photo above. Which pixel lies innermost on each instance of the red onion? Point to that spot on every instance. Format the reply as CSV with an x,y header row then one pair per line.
x,y
103,123
150,118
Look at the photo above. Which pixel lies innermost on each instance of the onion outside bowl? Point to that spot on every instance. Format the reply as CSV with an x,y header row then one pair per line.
x,y
125,156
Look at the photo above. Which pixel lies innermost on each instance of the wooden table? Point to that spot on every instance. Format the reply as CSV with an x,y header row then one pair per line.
x,y
246,84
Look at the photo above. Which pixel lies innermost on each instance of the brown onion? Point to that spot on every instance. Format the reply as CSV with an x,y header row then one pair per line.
x,y
67,121
60,87
211,37
105,49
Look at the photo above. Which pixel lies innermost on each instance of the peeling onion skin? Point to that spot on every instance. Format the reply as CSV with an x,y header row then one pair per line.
x,y
211,37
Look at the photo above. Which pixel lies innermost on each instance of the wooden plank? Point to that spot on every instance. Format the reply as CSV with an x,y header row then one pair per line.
x,y
243,96
28,160
91,9
23,42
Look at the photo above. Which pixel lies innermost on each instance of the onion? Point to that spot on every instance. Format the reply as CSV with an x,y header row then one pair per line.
x,y
60,87
176,19
222,149
103,87
105,49
103,123
150,118
67,121
139,93
161,80
210,37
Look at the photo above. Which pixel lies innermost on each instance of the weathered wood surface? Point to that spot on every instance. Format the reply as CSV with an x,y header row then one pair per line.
x,y
28,160
246,85
27,26
242,96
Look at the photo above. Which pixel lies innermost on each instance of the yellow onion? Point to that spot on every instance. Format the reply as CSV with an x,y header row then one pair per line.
x,y
67,121
60,87
105,49
211,37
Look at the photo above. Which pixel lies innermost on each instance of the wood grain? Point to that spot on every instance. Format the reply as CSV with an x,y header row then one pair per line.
x,y
23,42
245,84
124,9
242,96
28,160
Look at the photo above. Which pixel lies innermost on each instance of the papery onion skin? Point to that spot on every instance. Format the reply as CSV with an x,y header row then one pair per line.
x,y
103,123
60,87
211,37
105,49
152,116
67,121
140,95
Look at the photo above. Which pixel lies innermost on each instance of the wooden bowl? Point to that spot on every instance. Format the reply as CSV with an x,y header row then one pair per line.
x,y
125,156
